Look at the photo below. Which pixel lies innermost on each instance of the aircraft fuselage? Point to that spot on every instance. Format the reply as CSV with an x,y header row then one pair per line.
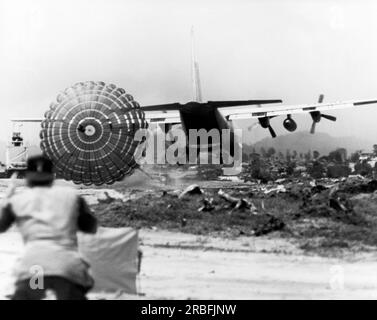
x,y
196,115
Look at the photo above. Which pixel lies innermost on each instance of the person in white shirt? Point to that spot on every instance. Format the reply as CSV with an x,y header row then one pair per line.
x,y
48,217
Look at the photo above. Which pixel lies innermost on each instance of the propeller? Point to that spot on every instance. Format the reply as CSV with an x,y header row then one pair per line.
x,y
317,116
265,123
312,129
328,117
272,131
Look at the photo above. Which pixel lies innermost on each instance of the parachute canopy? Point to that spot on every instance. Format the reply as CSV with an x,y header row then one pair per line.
x,y
88,133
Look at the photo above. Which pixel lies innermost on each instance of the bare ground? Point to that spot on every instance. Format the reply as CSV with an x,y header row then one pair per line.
x,y
304,260
184,266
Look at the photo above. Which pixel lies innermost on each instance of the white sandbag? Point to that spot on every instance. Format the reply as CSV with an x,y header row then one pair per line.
x,y
113,257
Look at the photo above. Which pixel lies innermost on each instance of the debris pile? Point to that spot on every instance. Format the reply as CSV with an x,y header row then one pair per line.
x,y
237,203
191,190
192,210
326,211
95,196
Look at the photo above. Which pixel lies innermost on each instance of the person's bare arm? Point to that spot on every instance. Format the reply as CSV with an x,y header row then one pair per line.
x,y
7,217
87,222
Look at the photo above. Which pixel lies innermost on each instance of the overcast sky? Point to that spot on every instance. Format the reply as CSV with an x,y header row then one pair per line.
x,y
292,50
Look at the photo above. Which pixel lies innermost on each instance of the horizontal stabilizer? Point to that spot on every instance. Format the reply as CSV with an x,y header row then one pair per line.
x,y
236,103
162,107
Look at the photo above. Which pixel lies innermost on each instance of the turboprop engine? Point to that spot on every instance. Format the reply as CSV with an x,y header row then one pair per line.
x,y
289,124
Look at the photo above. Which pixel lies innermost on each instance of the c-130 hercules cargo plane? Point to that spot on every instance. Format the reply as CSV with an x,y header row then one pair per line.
x,y
209,115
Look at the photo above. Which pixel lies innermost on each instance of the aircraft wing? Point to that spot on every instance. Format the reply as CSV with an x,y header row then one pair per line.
x,y
169,113
277,110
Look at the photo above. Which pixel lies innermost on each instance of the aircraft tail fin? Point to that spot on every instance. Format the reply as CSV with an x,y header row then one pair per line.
x,y
196,87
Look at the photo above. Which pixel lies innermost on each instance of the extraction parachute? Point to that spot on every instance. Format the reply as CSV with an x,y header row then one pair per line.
x,y
89,131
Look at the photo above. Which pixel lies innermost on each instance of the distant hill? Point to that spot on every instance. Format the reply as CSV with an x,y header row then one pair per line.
x,y
304,141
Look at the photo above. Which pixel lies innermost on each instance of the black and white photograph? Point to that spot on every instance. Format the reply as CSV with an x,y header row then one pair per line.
x,y
209,151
